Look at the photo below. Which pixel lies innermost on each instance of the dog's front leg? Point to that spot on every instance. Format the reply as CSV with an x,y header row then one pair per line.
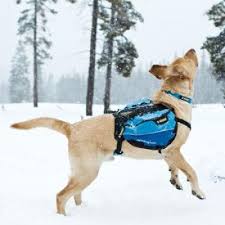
x,y
174,179
177,159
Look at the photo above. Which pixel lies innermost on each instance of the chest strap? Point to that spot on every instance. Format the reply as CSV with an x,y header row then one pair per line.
x,y
184,122
120,137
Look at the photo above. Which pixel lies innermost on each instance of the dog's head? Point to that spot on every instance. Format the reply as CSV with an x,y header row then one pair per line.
x,y
183,68
180,70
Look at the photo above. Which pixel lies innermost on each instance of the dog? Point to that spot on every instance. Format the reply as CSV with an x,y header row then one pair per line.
x,y
91,141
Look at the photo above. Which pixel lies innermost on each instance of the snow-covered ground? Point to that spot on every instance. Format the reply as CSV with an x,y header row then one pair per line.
x,y
34,167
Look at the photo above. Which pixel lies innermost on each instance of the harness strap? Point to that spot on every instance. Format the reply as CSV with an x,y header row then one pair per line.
x,y
119,150
184,122
119,137
179,96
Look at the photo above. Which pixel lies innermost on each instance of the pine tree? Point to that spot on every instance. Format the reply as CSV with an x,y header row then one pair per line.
x,y
91,71
42,79
71,84
19,84
33,27
116,19
205,78
216,45
50,90
4,92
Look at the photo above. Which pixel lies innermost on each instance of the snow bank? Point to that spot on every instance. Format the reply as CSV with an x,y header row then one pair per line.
x,y
34,167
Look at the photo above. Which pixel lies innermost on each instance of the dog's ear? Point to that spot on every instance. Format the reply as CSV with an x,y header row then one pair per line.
x,y
191,54
158,71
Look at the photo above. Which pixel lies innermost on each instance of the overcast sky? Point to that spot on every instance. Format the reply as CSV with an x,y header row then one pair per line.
x,y
170,27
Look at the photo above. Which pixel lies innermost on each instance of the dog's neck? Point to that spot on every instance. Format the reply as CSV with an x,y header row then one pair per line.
x,y
182,109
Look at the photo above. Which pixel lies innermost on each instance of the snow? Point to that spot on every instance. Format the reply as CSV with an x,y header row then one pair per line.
x,y
34,167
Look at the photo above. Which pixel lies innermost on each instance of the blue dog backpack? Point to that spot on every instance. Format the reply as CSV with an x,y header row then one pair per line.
x,y
145,125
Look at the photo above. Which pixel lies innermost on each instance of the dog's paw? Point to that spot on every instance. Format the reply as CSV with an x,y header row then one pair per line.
x,y
173,181
84,204
179,187
199,195
176,184
61,212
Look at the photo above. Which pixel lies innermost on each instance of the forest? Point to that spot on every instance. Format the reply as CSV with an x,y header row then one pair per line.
x,y
113,77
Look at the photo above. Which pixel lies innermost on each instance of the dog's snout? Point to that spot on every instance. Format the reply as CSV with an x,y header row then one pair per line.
x,y
191,52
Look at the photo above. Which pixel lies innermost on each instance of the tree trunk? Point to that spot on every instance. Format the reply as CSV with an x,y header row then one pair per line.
x,y
91,73
107,96
35,66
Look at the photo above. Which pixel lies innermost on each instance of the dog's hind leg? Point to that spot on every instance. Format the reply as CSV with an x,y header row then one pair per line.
x,y
174,179
74,188
64,195
179,161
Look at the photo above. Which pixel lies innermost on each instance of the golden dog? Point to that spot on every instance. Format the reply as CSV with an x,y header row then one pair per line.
x,y
91,141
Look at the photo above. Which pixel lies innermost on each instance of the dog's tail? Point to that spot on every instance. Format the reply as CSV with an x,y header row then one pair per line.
x,y
51,123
